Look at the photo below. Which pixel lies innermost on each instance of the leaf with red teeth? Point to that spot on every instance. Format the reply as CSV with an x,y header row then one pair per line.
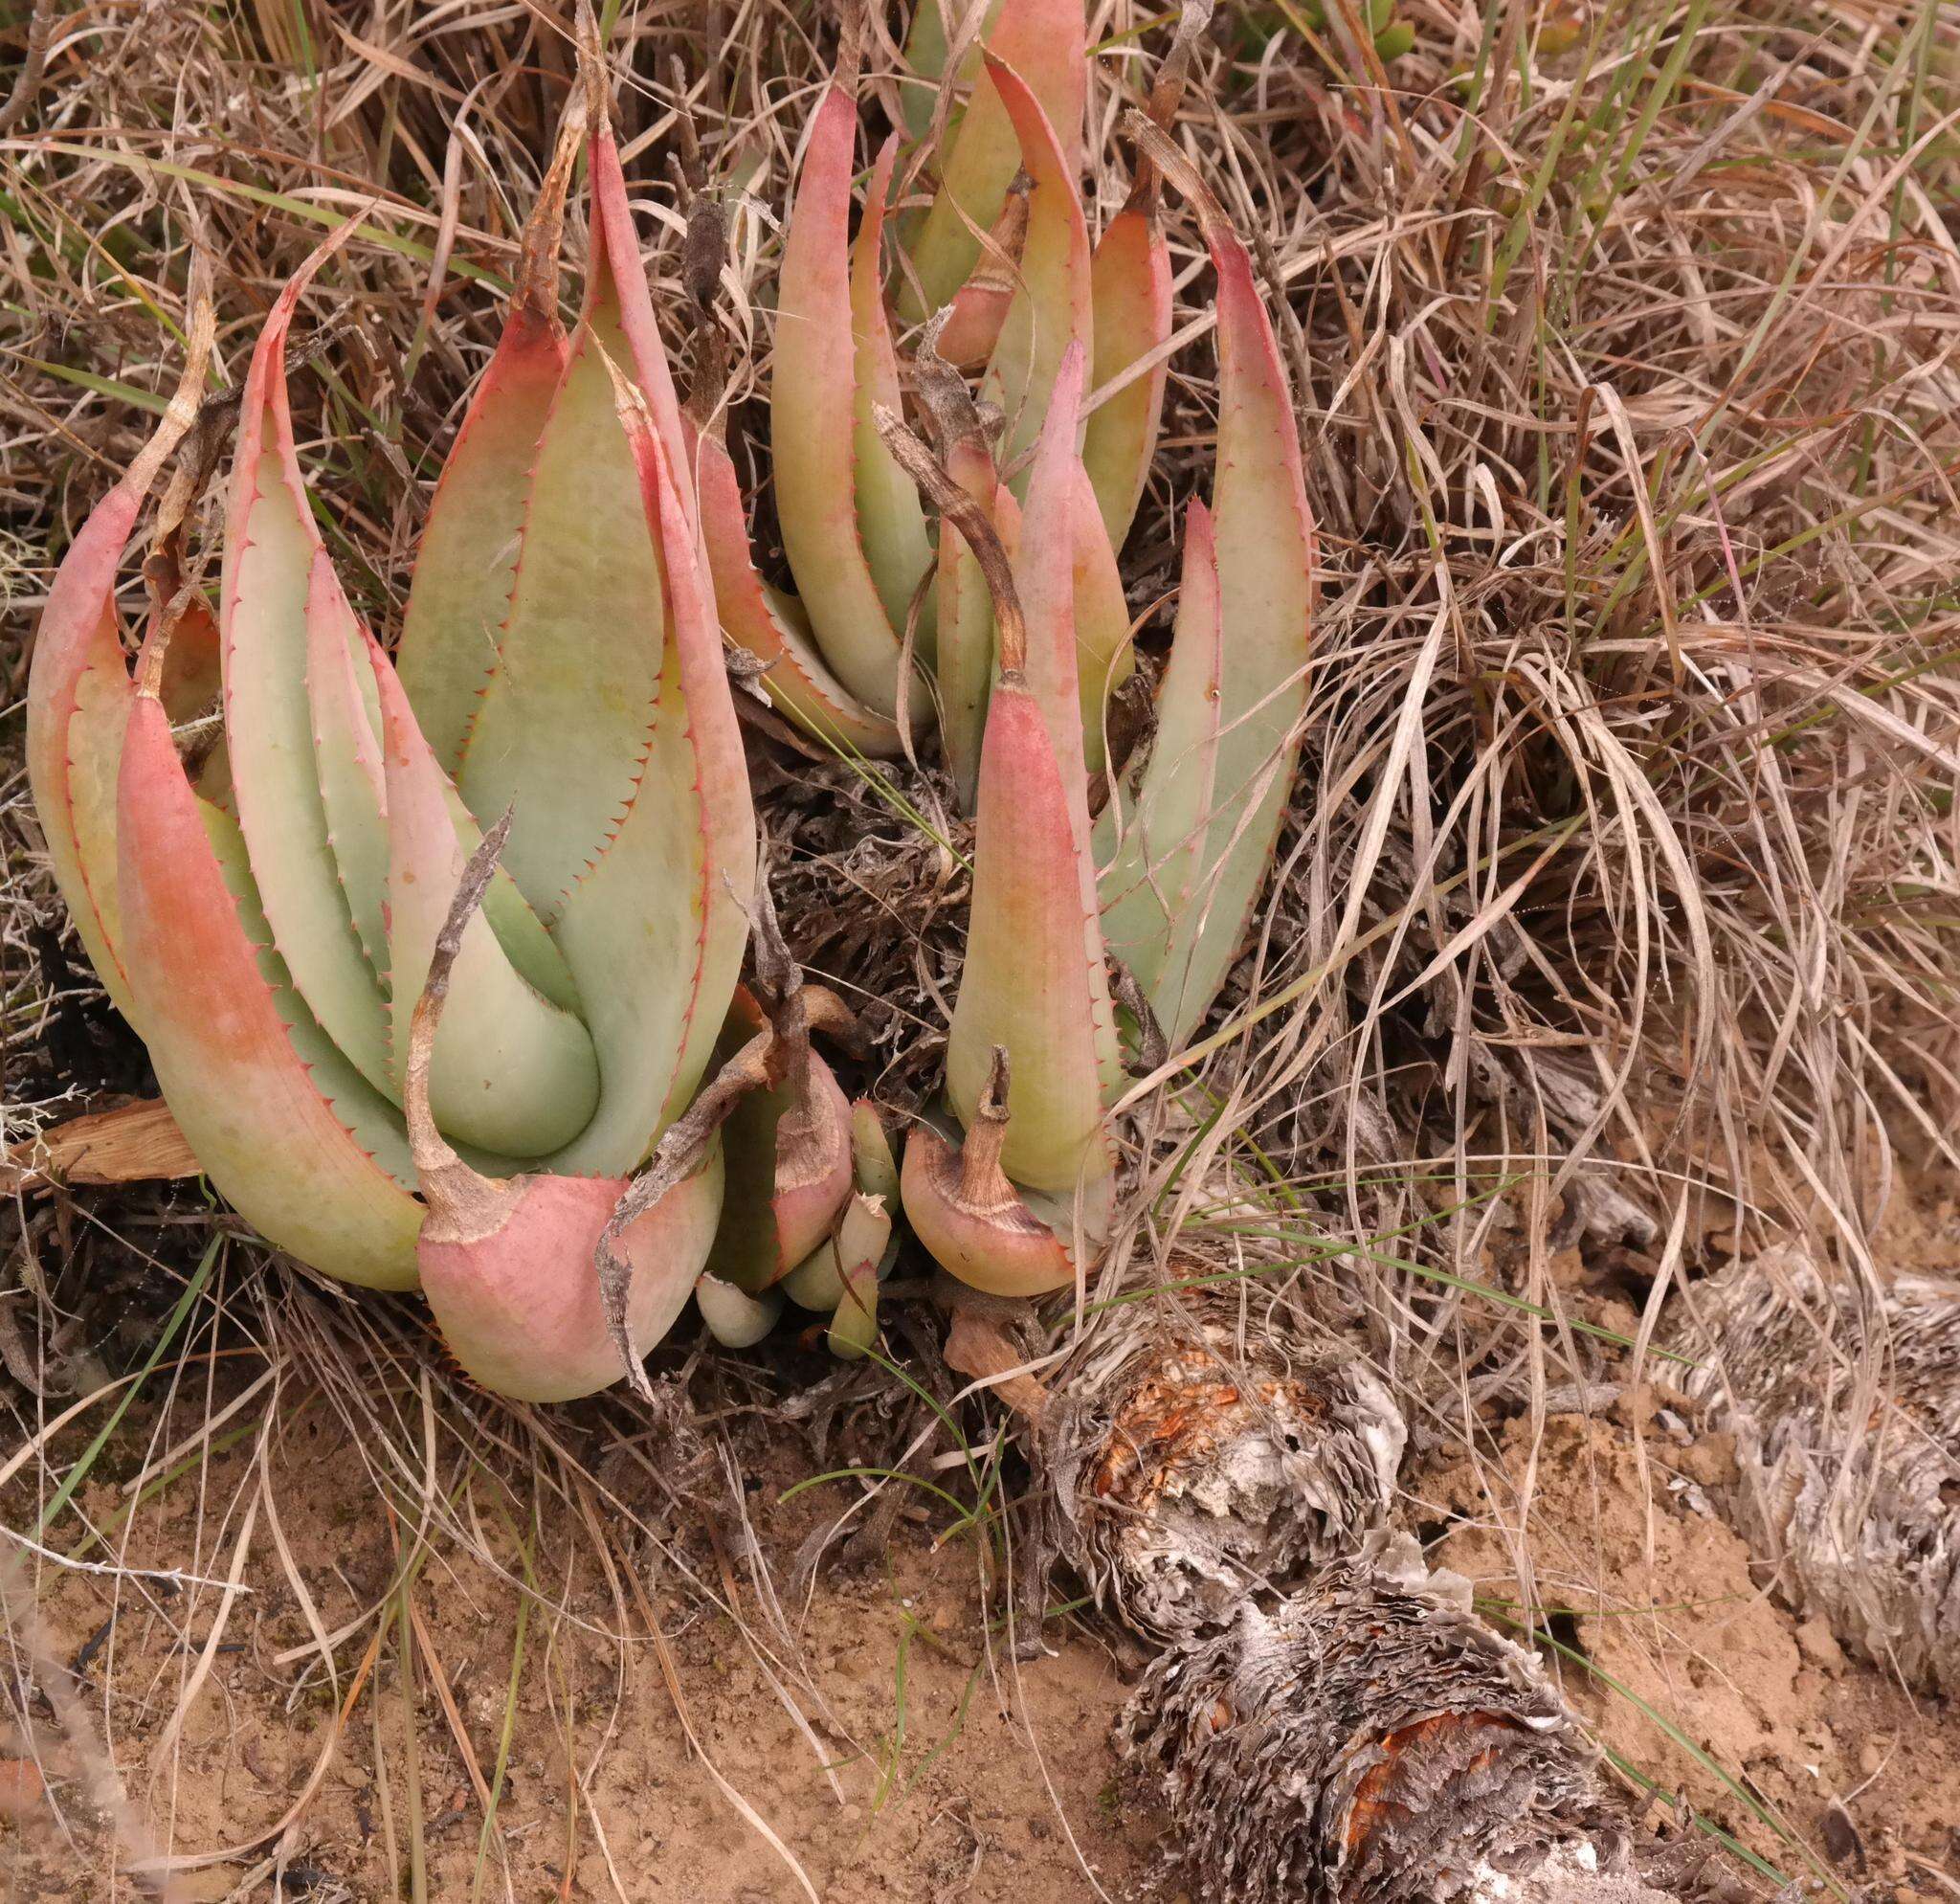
x,y
265,1107
1047,42
1052,306
814,408
771,627
461,592
1104,659
891,522
467,560
581,649
1265,550
1151,909
654,931
270,579
347,758
1129,280
513,1074
509,1274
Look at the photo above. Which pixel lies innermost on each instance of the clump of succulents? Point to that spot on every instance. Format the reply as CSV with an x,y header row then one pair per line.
x,y
437,956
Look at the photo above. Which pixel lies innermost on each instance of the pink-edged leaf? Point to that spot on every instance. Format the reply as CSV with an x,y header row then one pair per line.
x,y
347,757
1004,1248
508,1273
1151,903
1045,41
654,931
78,688
619,309
891,520
467,561
262,1096
1030,983
1266,556
271,584
771,627
1035,980
1104,659
1129,280
513,1073
1052,307
972,328
581,649
813,419
78,706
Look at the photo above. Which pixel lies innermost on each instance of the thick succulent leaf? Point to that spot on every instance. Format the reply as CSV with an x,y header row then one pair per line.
x,y
1150,905
1104,659
509,1277
734,1318
563,727
347,759
891,519
874,1167
79,686
654,932
813,419
1035,980
619,309
513,1073
1006,1251
854,1323
925,55
256,1102
1129,280
1046,42
1029,982
78,706
270,587
1052,307
467,561
771,627
966,619
581,652
788,1175
1266,544
972,327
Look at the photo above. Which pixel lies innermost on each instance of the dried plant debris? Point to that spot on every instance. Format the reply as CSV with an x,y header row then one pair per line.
x,y
1203,1451
1370,1739
1845,1410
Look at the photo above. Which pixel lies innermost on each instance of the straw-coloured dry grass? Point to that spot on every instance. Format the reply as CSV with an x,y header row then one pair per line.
x,y
1616,933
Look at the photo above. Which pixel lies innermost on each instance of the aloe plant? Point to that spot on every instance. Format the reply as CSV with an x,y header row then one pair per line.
x,y
266,915
1166,879
861,638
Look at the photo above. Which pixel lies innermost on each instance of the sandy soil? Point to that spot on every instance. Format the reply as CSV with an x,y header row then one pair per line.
x,y
882,1733
922,1762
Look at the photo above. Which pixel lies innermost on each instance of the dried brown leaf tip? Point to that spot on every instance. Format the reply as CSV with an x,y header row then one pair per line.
x,y
1371,1741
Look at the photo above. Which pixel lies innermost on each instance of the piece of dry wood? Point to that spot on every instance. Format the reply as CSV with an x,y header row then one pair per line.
x,y
129,1144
